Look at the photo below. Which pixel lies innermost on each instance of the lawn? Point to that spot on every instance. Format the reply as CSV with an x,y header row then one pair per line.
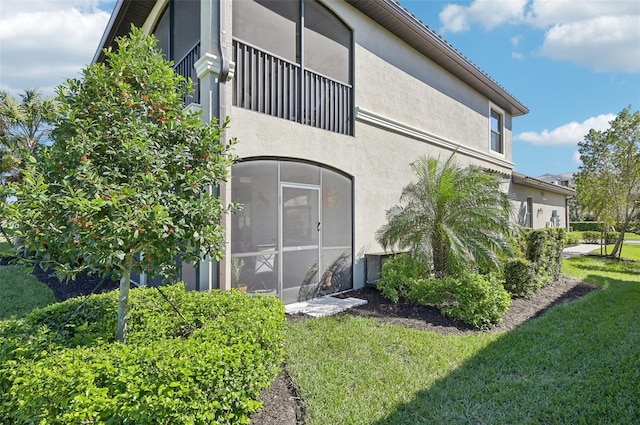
x,y
21,292
579,363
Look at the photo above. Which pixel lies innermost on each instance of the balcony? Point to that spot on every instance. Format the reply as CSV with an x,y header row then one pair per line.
x,y
185,67
275,86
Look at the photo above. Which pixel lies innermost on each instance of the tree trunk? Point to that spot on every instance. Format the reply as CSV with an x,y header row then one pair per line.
x,y
123,299
617,248
6,236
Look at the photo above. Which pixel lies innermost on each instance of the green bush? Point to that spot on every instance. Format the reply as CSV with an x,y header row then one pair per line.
x,y
479,300
591,236
429,291
208,364
611,237
520,277
544,250
572,238
586,226
399,274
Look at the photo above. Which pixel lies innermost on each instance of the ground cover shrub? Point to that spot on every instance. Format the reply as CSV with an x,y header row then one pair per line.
x,y
202,361
479,300
476,299
520,277
399,274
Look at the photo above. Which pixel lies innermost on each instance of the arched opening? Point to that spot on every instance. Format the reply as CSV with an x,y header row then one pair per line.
x,y
294,235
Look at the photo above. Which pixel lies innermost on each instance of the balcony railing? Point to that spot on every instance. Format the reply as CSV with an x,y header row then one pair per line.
x,y
185,67
275,86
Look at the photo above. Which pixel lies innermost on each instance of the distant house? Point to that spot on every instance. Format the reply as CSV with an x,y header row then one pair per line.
x,y
538,203
330,101
565,179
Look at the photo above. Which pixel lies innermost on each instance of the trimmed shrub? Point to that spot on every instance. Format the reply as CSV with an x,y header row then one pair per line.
x,y
611,237
430,291
206,364
479,300
520,277
591,236
399,274
572,238
586,226
544,250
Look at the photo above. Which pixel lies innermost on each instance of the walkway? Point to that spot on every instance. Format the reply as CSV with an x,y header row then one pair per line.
x,y
581,249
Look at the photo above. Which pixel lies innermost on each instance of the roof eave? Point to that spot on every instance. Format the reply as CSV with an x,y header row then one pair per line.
x,y
519,178
415,33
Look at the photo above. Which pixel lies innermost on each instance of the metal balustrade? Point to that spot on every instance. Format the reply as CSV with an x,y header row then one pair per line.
x,y
275,86
185,67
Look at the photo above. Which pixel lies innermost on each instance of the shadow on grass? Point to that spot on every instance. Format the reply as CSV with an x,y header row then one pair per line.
x,y
580,363
604,264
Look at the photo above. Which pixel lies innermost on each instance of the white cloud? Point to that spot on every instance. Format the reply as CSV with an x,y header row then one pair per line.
x,y
576,158
488,13
545,13
42,43
607,43
603,35
567,134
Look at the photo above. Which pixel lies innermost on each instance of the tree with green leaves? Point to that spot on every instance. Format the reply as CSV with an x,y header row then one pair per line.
x,y
126,184
451,217
24,126
608,181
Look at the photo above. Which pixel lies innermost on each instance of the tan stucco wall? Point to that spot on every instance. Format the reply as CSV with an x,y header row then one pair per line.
x,y
394,80
544,202
407,91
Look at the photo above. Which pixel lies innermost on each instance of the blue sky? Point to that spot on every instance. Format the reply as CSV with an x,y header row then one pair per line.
x,y
574,63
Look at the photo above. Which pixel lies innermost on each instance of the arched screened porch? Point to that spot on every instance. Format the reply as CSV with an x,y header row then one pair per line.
x,y
294,235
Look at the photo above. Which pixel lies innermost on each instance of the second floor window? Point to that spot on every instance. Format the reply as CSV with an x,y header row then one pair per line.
x,y
496,132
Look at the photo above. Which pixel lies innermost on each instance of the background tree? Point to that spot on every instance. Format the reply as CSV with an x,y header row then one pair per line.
x,y
608,181
24,126
129,172
452,217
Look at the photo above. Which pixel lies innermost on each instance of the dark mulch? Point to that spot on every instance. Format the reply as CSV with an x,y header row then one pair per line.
x,y
84,284
281,404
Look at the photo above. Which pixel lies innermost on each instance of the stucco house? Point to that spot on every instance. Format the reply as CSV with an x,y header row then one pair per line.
x,y
330,100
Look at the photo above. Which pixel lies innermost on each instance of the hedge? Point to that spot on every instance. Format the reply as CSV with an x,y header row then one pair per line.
x,y
586,226
544,250
204,365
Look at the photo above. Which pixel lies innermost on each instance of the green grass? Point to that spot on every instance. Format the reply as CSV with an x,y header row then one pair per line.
x,y
579,363
21,292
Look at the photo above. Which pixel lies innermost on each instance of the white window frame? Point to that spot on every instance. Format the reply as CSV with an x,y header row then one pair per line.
x,y
493,108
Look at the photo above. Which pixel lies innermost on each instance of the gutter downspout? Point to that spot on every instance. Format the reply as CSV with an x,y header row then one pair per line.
x,y
222,190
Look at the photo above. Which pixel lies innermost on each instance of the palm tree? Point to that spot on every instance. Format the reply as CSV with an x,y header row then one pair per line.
x,y
452,217
23,127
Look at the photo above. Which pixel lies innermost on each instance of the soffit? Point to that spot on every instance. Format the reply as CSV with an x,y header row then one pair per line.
x,y
406,26
126,12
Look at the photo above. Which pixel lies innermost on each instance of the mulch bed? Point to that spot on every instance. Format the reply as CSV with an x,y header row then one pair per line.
x,y
281,404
